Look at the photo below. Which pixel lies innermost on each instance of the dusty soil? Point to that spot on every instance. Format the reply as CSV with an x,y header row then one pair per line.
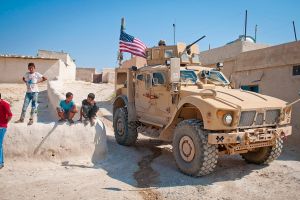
x,y
144,171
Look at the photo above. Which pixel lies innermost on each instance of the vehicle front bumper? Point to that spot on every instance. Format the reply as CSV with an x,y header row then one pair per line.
x,y
250,136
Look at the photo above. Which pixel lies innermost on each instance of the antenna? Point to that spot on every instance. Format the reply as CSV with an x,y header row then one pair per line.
x,y
255,32
295,33
245,34
174,33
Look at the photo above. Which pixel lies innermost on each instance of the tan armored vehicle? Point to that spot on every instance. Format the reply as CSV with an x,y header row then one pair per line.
x,y
177,100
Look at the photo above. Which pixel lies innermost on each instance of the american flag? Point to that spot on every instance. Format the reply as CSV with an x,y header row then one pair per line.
x,y
132,45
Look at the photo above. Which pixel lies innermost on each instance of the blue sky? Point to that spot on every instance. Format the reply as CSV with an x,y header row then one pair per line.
x,y
89,30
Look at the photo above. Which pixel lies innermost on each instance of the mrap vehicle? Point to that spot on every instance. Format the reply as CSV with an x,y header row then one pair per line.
x,y
175,99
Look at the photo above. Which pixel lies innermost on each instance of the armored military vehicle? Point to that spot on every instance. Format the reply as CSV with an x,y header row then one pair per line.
x,y
177,100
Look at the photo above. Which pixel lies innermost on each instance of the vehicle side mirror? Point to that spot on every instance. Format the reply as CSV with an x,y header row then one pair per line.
x,y
175,70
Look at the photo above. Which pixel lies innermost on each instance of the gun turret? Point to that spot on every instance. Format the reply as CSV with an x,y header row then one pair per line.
x,y
188,47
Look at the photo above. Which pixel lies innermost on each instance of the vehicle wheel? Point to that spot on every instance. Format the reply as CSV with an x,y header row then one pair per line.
x,y
264,155
125,133
193,155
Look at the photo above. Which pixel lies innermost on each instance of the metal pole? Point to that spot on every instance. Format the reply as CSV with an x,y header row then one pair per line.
x,y
245,35
120,56
295,33
174,33
255,33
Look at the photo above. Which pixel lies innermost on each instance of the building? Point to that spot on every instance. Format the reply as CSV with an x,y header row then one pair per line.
x,y
88,74
270,70
53,65
108,75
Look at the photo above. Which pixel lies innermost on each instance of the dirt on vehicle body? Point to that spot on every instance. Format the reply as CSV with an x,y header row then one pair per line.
x,y
177,100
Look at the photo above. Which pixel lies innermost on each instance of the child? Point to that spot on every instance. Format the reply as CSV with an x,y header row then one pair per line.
x,y
67,109
89,109
5,117
31,79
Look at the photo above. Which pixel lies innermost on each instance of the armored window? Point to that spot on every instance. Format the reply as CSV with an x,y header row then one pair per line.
x,y
148,81
140,77
155,53
296,70
196,58
168,53
148,54
158,78
252,88
185,58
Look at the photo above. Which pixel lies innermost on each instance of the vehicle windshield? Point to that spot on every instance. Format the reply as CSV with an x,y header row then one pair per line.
x,y
217,76
188,75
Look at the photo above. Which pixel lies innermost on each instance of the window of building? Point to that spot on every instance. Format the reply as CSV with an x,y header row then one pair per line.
x,y
158,78
296,70
252,88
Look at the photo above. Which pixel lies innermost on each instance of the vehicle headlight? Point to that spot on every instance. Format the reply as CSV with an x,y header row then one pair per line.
x,y
227,119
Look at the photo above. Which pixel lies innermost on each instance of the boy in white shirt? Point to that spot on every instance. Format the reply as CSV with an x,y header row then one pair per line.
x,y
31,79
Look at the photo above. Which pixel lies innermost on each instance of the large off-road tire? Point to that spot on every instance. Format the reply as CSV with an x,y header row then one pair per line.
x,y
192,153
264,155
125,133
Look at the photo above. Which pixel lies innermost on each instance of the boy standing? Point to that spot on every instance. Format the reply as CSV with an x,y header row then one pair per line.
x,y
31,79
5,117
67,109
89,109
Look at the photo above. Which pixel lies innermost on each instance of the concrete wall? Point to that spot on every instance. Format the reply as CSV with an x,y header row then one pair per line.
x,y
67,65
220,54
13,69
108,75
85,74
58,142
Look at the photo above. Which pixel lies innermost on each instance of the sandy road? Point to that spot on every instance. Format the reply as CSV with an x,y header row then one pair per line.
x,y
149,165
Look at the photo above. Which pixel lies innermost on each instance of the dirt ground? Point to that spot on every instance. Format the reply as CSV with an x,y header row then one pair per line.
x,y
144,171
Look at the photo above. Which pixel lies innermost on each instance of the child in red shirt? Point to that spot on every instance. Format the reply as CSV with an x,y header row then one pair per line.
x,y
5,117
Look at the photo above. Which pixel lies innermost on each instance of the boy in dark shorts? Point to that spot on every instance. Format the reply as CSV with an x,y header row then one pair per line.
x,y
89,109
67,109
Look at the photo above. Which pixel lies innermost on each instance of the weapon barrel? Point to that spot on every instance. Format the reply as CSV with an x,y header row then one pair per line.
x,y
189,46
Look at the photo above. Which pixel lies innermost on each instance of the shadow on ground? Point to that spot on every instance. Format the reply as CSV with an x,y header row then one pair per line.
x,y
150,163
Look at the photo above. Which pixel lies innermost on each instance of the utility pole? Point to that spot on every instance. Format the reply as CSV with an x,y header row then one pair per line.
x,y
295,33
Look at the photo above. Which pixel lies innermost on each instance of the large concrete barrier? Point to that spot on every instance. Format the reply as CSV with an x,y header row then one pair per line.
x,y
54,96
56,141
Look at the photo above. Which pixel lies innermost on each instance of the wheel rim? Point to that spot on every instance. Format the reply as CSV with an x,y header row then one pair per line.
x,y
187,148
120,127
